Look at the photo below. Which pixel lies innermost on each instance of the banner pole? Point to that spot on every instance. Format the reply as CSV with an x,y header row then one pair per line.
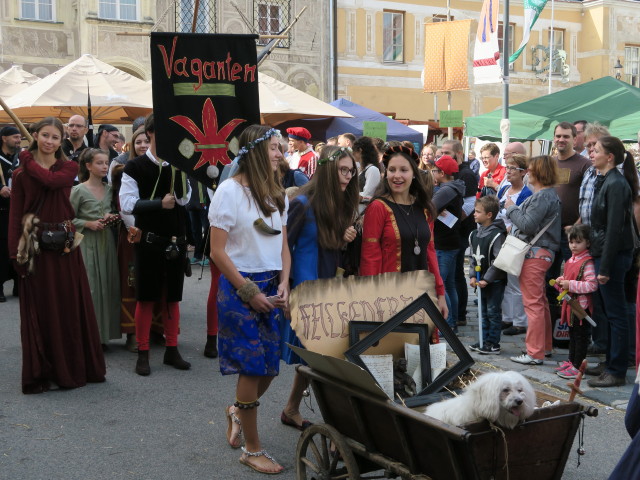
x,y
17,121
196,7
504,126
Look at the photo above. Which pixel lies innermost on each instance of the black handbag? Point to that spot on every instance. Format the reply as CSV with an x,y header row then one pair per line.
x,y
57,237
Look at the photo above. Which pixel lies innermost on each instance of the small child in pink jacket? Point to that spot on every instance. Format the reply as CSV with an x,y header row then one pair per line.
x,y
580,280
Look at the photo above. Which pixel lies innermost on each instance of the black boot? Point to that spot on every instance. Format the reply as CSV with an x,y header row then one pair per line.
x,y
172,357
211,348
142,365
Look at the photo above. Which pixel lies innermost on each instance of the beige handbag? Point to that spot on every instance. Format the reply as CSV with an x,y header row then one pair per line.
x,y
513,251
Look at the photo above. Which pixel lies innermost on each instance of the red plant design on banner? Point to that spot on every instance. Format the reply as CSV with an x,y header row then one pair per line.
x,y
212,143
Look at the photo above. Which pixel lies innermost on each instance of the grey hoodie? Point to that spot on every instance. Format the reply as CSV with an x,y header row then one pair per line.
x,y
490,274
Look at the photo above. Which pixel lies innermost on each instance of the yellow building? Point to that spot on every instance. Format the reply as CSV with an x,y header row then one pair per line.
x,y
44,35
380,51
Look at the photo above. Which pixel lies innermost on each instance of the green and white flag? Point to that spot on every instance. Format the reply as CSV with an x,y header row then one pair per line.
x,y
532,10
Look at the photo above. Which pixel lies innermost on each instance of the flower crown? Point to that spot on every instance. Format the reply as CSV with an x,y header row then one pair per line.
x,y
272,132
335,155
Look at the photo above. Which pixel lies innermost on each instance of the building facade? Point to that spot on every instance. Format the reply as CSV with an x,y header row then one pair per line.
x,y
44,35
380,52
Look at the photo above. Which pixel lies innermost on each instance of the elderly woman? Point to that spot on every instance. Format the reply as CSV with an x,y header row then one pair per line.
x,y
612,242
540,209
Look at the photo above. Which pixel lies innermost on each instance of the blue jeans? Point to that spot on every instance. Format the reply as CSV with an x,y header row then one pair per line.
x,y
615,308
447,266
492,296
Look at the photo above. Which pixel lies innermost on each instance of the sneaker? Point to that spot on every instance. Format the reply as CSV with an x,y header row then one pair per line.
x,y
569,373
563,366
525,359
475,347
490,349
195,260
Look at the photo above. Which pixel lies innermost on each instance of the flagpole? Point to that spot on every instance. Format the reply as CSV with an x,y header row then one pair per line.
x,y
504,125
551,45
449,129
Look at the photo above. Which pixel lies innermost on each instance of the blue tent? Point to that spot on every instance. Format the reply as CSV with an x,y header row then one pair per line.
x,y
331,127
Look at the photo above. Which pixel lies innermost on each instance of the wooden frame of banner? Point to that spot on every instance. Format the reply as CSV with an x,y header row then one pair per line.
x,y
423,302
357,328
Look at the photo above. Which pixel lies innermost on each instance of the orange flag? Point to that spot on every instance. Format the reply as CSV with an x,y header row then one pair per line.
x,y
446,56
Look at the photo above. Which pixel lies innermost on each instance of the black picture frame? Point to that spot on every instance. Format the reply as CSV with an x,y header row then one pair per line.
x,y
423,302
422,329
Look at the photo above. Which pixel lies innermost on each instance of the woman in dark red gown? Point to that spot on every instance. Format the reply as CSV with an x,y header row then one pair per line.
x,y
60,341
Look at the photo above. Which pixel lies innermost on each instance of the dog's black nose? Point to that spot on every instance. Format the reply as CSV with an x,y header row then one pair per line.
x,y
519,402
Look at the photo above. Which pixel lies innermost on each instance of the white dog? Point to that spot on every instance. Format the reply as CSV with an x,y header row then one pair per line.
x,y
504,398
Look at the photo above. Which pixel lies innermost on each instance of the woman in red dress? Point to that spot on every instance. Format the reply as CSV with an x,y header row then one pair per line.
x,y
60,340
397,233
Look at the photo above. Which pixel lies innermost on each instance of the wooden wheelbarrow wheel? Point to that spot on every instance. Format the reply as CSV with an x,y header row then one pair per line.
x,y
323,454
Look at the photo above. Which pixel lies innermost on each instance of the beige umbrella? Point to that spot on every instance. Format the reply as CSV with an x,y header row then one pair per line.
x,y
280,102
15,80
116,96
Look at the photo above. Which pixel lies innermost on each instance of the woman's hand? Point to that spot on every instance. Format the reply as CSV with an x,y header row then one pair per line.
x,y
283,293
94,225
442,306
508,202
349,234
602,279
482,283
472,282
260,304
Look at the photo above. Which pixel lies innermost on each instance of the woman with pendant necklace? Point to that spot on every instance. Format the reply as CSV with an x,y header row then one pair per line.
x,y
397,231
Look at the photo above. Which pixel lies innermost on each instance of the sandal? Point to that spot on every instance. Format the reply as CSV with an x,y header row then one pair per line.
x,y
287,420
231,419
244,459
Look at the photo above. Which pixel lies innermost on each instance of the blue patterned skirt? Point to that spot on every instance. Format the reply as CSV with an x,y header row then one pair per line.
x,y
248,341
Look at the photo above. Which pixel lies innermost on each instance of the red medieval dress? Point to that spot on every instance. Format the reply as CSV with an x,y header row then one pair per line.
x,y
389,236
60,339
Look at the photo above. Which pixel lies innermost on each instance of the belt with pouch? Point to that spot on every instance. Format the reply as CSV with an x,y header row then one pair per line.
x,y
152,238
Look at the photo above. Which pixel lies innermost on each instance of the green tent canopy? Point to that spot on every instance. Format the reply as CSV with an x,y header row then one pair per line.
x,y
608,101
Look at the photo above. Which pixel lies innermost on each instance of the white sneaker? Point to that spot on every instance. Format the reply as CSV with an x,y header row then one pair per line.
x,y
525,359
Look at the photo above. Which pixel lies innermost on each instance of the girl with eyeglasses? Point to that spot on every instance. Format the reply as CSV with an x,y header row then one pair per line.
x,y
397,232
319,226
248,218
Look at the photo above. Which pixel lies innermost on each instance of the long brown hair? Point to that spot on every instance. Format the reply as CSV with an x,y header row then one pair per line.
x,y
48,121
333,209
258,173
423,198
132,144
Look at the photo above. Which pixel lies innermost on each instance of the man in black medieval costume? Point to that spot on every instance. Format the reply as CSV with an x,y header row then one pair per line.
x,y
153,191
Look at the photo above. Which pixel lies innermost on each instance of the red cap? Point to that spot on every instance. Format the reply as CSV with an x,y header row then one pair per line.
x,y
447,164
299,133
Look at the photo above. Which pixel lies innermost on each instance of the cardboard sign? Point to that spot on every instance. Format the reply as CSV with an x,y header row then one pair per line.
x,y
322,309
374,130
451,118
205,92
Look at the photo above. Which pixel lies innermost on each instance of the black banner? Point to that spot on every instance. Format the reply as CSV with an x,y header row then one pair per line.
x,y
205,92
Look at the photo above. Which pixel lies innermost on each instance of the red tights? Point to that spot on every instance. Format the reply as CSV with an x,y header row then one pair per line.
x,y
170,320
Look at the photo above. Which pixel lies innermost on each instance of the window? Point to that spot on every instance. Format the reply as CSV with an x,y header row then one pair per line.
x,y
37,10
512,27
119,9
440,18
393,37
206,21
558,44
271,18
632,65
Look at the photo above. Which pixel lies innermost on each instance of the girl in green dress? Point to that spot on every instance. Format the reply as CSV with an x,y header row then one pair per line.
x,y
92,201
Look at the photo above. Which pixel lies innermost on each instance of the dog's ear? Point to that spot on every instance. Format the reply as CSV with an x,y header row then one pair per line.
x,y
486,396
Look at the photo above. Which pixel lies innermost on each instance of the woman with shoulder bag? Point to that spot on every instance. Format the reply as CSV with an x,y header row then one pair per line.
x,y
540,209
248,217
60,340
319,226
